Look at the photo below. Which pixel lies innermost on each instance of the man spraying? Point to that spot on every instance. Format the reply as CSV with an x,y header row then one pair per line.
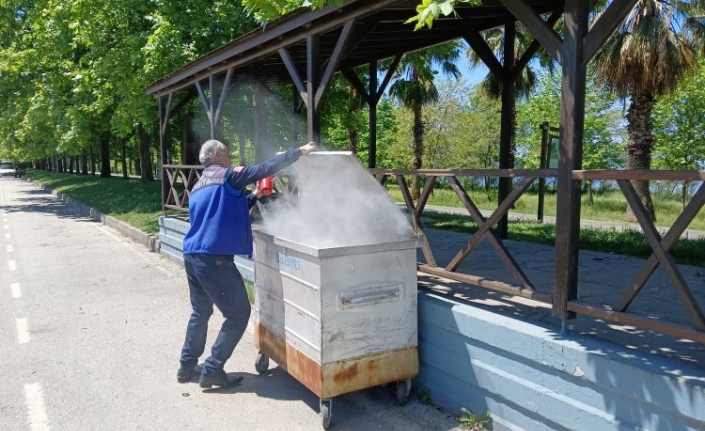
x,y
220,229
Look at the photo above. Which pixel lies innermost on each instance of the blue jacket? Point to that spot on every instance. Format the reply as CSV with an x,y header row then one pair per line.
x,y
219,207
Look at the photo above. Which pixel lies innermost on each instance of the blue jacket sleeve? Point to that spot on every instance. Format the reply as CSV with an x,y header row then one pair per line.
x,y
251,200
251,174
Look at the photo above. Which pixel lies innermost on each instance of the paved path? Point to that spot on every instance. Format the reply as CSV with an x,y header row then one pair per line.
x,y
91,324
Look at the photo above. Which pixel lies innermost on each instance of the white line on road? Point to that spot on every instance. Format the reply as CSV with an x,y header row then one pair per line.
x,y
7,236
4,220
22,331
8,247
36,412
16,291
6,227
11,265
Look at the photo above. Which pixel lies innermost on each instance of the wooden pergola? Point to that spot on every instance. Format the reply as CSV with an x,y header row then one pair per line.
x,y
306,48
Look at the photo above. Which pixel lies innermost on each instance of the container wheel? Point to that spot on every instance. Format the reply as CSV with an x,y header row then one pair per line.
x,y
261,363
326,408
403,389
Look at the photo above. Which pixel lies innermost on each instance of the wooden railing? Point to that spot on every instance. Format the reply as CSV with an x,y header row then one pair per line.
x,y
178,183
181,179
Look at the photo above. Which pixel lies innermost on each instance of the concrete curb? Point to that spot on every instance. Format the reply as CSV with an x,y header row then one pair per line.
x,y
140,237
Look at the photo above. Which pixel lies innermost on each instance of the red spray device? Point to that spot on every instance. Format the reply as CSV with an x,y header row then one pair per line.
x,y
265,186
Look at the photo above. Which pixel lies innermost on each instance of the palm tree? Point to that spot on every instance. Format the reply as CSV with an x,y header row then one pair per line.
x,y
491,85
646,58
414,88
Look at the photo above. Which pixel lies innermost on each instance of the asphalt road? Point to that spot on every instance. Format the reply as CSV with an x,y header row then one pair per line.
x,y
91,325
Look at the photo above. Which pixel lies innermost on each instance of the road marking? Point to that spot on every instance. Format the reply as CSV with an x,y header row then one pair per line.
x,y
7,236
11,265
22,331
16,292
4,220
36,412
8,247
6,227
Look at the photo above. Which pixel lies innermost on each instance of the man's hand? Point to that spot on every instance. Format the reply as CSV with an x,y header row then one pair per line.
x,y
308,148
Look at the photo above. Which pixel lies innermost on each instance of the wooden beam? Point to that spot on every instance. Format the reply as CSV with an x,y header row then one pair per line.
x,y
501,210
204,100
312,79
285,32
372,151
416,223
502,252
541,31
612,17
570,157
333,62
163,142
533,47
479,45
690,304
388,77
294,74
354,80
639,174
506,121
485,283
662,327
669,240
212,107
224,92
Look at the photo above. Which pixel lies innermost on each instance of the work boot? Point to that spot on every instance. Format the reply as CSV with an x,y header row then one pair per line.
x,y
221,379
184,375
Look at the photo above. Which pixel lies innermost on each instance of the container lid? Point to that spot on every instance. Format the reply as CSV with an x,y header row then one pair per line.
x,y
336,203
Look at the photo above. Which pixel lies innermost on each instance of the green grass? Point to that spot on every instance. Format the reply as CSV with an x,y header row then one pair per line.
x,y
608,206
130,200
139,204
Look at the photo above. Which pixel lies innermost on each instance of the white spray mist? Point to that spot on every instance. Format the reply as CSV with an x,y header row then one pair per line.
x,y
338,204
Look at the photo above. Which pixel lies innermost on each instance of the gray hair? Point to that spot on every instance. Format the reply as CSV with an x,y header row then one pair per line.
x,y
208,149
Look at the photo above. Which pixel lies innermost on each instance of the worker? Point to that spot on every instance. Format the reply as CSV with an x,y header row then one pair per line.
x,y
220,229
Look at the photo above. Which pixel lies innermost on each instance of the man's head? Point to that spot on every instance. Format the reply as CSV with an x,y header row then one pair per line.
x,y
214,152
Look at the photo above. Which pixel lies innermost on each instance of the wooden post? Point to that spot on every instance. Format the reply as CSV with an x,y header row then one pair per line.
x,y
313,122
542,165
506,159
164,105
372,161
570,158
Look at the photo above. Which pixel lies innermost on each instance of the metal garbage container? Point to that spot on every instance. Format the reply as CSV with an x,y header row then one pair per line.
x,y
338,318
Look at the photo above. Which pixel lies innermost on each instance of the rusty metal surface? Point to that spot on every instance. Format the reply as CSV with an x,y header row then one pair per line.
x,y
337,378
271,345
368,371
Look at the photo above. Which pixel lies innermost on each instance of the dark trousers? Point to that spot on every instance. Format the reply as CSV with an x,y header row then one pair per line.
x,y
214,279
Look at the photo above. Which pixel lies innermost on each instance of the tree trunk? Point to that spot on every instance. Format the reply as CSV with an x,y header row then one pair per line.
x,y
684,193
92,156
124,158
84,163
641,142
146,173
352,141
416,162
354,107
105,155
591,197
241,141
263,148
189,147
